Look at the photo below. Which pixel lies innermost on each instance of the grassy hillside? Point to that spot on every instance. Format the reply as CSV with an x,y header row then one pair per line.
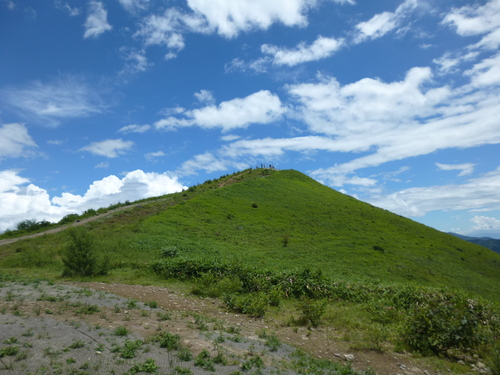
x,y
286,220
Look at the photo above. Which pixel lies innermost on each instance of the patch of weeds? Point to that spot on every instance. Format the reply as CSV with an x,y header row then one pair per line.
x,y
132,304
182,371
185,355
199,321
9,351
88,309
46,297
235,338
22,355
11,340
149,366
170,341
120,331
219,339
145,313
50,352
129,349
255,361
220,359
117,309
233,329
77,344
28,332
70,360
204,361
152,304
273,343
162,316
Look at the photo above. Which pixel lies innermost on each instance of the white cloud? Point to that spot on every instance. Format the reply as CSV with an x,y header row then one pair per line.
x,y
231,17
65,97
321,48
15,141
110,148
166,29
205,97
478,20
152,156
19,202
209,163
485,73
73,11
466,169
259,108
96,22
102,165
133,6
485,223
476,194
134,129
136,61
383,23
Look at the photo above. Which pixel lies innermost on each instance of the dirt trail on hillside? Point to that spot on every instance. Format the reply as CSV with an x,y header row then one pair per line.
x,y
63,227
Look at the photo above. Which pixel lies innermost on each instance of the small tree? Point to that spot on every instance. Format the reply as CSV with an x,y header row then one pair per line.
x,y
79,257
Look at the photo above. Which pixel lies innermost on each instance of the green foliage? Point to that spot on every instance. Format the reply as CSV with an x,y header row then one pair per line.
x,y
129,349
255,361
168,252
170,341
204,361
442,324
79,257
312,310
9,351
120,331
152,304
253,304
32,225
149,366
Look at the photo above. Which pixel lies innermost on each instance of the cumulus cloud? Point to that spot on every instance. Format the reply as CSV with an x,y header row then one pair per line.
x,y
383,23
15,141
466,169
134,129
97,22
259,108
321,48
485,223
474,195
68,96
205,97
397,120
478,19
22,201
110,148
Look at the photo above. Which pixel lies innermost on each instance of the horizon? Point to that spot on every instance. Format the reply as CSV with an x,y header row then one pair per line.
x,y
395,103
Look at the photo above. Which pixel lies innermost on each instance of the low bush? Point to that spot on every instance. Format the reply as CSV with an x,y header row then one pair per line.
x,y
312,310
79,256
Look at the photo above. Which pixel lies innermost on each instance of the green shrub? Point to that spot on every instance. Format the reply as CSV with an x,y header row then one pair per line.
x,y
79,256
168,252
170,341
253,304
204,361
149,366
440,325
312,310
121,331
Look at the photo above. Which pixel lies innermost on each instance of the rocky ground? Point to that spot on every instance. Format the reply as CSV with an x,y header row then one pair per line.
x,y
98,328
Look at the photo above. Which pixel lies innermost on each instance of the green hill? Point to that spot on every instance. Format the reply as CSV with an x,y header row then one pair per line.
x,y
283,220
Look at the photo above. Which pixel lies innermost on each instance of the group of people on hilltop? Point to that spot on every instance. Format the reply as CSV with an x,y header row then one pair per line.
x,y
264,166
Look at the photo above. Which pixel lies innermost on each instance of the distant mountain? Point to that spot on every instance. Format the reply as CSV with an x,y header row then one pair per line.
x,y
488,242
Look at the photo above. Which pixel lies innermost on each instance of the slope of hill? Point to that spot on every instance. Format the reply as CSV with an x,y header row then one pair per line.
x,y
487,242
280,220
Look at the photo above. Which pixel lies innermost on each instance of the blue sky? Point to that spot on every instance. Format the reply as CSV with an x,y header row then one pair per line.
x,y
394,102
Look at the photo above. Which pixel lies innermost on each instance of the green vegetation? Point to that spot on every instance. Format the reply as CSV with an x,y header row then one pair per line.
x,y
266,240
